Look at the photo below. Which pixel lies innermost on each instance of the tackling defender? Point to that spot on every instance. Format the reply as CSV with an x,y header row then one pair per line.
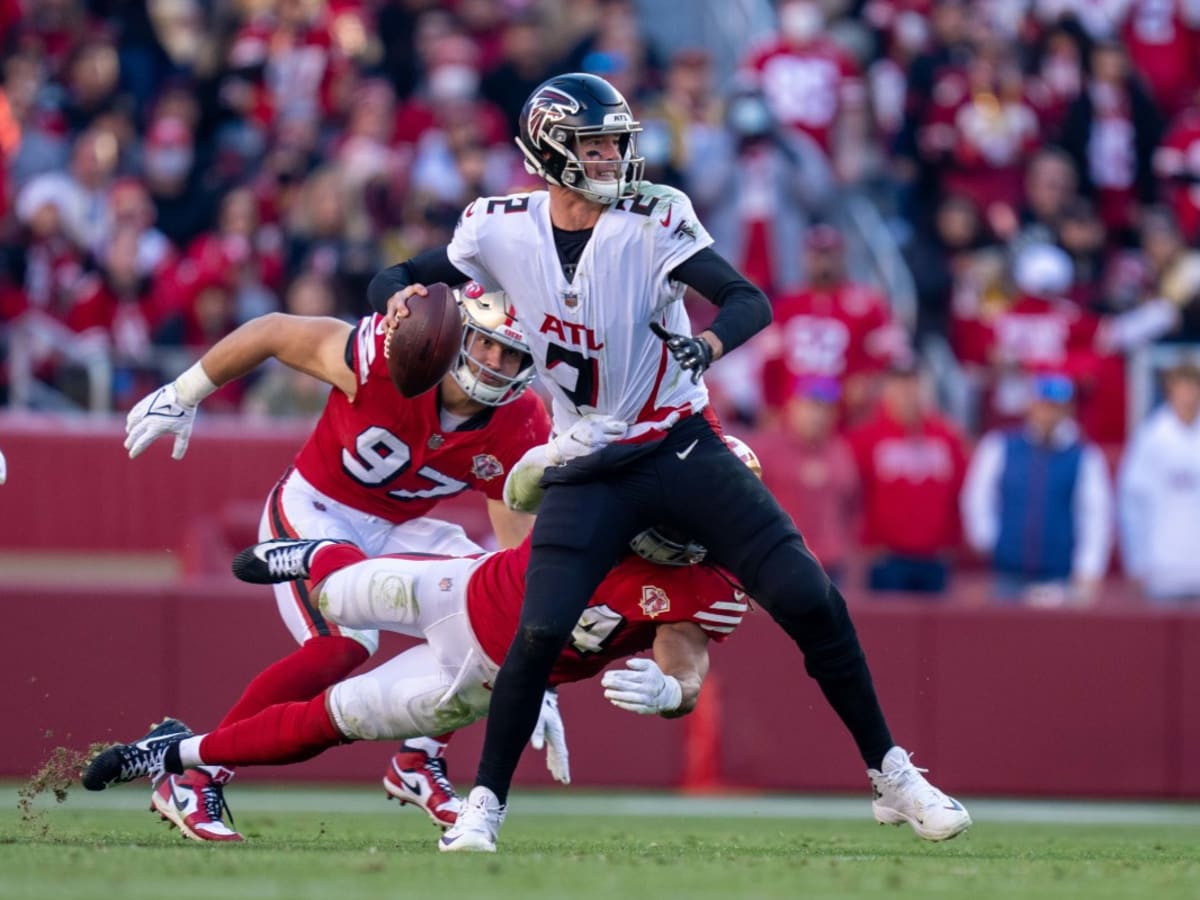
x,y
373,468
466,611
602,260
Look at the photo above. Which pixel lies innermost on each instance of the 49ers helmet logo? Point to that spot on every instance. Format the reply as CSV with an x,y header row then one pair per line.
x,y
549,106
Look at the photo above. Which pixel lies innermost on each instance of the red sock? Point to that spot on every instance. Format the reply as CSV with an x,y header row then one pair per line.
x,y
317,664
283,733
329,559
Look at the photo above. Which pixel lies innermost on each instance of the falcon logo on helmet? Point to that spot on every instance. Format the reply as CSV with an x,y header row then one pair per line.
x,y
547,106
489,316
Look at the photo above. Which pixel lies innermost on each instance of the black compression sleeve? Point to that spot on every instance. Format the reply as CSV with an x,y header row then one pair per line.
x,y
745,310
427,267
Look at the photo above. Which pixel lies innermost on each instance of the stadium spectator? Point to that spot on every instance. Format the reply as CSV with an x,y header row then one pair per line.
x,y
762,186
282,390
684,125
327,238
943,260
1173,275
524,64
981,131
1048,186
832,328
1176,162
911,463
184,205
1039,331
1161,41
810,84
1037,502
815,478
1159,493
1110,131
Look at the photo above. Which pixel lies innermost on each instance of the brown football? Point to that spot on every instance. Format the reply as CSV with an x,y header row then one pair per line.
x,y
425,344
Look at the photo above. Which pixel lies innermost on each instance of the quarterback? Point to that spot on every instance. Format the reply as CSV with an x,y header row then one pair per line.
x,y
373,468
601,260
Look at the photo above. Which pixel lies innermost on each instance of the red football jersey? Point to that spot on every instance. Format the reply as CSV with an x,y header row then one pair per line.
x,y
834,333
807,87
620,619
1162,39
388,455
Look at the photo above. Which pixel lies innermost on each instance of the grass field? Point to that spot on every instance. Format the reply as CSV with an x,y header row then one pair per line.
x,y
348,843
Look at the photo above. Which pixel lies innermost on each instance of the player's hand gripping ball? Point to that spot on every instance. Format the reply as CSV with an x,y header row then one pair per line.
x,y
422,346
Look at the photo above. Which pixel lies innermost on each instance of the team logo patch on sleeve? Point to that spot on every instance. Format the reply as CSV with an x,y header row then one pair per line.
x,y
445,584
654,601
486,467
684,229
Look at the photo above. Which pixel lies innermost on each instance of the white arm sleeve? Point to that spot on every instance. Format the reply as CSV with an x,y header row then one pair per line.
x,y
1093,517
980,509
1132,497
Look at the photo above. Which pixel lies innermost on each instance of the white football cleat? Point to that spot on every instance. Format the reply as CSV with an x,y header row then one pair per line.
x,y
478,823
903,795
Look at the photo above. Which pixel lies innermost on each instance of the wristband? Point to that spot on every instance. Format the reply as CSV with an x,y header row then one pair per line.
x,y
193,386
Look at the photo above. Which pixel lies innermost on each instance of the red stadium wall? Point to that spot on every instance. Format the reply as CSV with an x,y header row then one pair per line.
x,y
994,700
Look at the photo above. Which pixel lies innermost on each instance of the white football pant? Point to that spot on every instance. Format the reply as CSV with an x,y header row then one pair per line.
x,y
296,509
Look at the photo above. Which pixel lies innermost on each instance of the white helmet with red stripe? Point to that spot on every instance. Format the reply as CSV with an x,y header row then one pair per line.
x,y
489,316
667,547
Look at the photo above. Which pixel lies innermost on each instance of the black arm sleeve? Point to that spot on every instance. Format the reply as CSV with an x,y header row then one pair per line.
x,y
745,310
427,267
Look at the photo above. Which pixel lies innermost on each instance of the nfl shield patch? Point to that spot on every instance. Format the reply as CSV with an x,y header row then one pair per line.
x,y
486,467
655,601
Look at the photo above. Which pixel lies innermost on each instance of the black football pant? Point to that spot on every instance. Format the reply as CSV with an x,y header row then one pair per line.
x,y
692,482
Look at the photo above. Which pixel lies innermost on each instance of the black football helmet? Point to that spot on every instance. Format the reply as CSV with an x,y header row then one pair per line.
x,y
561,111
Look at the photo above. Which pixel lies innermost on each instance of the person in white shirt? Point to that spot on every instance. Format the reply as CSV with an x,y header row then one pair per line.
x,y
602,260
1159,493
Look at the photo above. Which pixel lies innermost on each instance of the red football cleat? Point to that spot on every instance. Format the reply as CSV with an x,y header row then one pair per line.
x,y
415,777
194,803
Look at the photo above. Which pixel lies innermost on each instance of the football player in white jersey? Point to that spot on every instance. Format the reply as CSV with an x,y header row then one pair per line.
x,y
597,266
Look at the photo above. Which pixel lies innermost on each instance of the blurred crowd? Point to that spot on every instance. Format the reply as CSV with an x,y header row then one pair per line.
x,y
172,168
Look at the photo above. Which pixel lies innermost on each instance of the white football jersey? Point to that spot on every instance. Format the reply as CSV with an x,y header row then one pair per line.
x,y
590,337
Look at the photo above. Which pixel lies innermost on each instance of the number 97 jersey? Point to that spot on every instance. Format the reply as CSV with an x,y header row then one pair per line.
x,y
388,455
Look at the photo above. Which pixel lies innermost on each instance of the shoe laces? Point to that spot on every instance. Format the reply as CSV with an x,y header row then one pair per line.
x,y
215,806
137,761
910,777
437,771
286,560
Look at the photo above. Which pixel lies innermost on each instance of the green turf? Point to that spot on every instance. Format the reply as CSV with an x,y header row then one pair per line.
x,y
362,847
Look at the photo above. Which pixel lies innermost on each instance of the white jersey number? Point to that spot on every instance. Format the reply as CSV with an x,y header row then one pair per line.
x,y
380,456
594,629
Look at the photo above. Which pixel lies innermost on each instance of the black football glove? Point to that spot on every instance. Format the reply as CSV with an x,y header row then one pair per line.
x,y
692,353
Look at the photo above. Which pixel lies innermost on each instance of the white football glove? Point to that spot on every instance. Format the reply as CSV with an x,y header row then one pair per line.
x,y
586,436
158,414
642,688
549,733
3,469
